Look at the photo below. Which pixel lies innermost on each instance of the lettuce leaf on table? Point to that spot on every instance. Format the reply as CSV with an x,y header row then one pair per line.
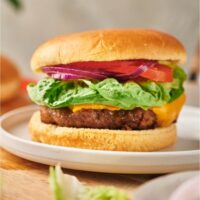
x,y
67,187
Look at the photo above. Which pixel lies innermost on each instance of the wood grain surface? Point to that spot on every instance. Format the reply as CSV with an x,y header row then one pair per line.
x,y
26,180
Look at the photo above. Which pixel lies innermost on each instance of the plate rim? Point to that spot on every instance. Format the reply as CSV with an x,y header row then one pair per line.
x,y
159,179
31,108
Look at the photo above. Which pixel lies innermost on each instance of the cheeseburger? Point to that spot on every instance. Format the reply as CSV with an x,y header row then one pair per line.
x,y
118,89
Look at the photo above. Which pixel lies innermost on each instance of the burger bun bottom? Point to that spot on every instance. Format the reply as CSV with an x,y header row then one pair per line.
x,y
102,139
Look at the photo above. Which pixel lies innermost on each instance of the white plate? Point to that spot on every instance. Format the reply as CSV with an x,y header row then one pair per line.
x,y
164,186
182,156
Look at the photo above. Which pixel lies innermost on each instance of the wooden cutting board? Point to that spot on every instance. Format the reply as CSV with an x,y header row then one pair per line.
x,y
26,180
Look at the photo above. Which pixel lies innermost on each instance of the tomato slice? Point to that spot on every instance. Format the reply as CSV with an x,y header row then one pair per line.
x,y
111,66
158,72
25,82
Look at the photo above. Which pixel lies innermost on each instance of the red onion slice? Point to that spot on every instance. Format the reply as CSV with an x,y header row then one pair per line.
x,y
142,68
64,76
69,72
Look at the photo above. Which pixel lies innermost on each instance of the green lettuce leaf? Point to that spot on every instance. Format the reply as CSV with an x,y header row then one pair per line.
x,y
179,77
67,187
103,193
57,93
54,185
64,186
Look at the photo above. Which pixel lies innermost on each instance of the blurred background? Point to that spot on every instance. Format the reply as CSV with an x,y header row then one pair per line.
x,y
26,24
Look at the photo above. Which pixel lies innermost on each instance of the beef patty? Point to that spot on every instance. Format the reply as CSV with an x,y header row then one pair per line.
x,y
136,119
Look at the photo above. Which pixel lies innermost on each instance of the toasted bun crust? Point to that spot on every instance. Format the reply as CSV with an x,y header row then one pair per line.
x,y
101,139
109,45
10,79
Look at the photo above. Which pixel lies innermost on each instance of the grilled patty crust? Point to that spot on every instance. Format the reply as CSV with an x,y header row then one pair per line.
x,y
136,119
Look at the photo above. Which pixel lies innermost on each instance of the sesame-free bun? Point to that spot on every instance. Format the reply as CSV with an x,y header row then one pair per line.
x,y
10,79
102,139
109,45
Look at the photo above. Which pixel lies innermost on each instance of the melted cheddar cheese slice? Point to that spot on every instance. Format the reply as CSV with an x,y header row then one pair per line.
x,y
169,112
93,107
165,114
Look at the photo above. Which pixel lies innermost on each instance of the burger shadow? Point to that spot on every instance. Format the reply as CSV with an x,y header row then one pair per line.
x,y
184,144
